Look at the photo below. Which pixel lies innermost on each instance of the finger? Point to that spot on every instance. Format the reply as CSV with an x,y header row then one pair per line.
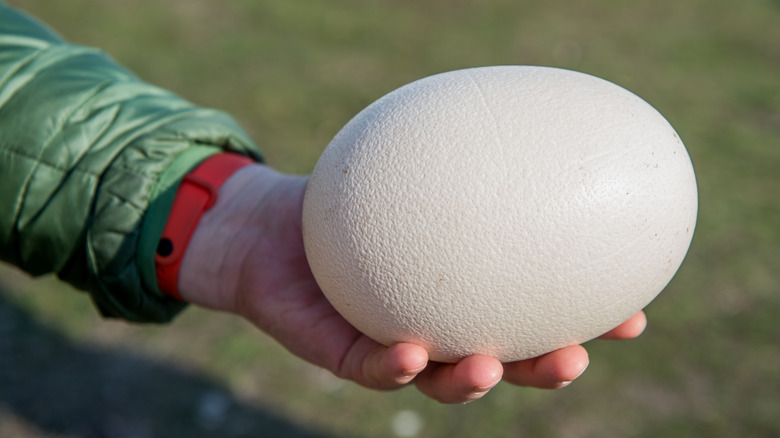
x,y
632,328
375,366
550,371
468,380
401,363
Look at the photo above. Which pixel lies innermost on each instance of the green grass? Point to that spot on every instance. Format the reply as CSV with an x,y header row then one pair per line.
x,y
294,71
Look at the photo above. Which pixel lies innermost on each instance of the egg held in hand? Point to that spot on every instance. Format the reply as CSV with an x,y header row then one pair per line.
x,y
507,211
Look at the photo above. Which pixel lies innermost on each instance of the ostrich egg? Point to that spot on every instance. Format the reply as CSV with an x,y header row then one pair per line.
x,y
507,211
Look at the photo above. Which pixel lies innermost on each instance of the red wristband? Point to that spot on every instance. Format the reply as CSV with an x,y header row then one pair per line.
x,y
196,194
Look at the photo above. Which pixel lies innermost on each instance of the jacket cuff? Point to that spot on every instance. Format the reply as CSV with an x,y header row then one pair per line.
x,y
156,215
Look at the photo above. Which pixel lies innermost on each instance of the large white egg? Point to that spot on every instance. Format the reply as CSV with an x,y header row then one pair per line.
x,y
507,211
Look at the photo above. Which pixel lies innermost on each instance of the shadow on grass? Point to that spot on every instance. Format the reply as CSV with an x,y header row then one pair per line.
x,y
76,390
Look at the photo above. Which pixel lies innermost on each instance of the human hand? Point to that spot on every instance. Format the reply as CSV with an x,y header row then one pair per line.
x,y
247,257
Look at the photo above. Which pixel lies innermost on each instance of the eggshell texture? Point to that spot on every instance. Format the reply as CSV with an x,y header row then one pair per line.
x,y
507,211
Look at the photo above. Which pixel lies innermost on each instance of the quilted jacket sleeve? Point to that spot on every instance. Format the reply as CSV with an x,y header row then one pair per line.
x,y
90,158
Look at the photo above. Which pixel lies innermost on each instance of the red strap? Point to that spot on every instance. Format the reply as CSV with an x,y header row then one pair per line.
x,y
196,194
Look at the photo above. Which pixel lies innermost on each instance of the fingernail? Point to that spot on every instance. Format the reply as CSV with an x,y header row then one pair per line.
x,y
582,372
478,391
412,373
486,388
565,383
474,396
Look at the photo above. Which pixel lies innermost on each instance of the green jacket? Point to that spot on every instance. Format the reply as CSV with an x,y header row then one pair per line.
x,y
90,158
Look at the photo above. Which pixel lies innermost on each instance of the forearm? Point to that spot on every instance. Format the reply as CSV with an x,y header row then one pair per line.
x,y
87,151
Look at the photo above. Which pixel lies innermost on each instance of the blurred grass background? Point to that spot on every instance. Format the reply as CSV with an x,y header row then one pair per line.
x,y
293,72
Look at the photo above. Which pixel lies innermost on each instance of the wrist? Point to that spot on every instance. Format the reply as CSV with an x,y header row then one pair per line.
x,y
255,208
197,193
